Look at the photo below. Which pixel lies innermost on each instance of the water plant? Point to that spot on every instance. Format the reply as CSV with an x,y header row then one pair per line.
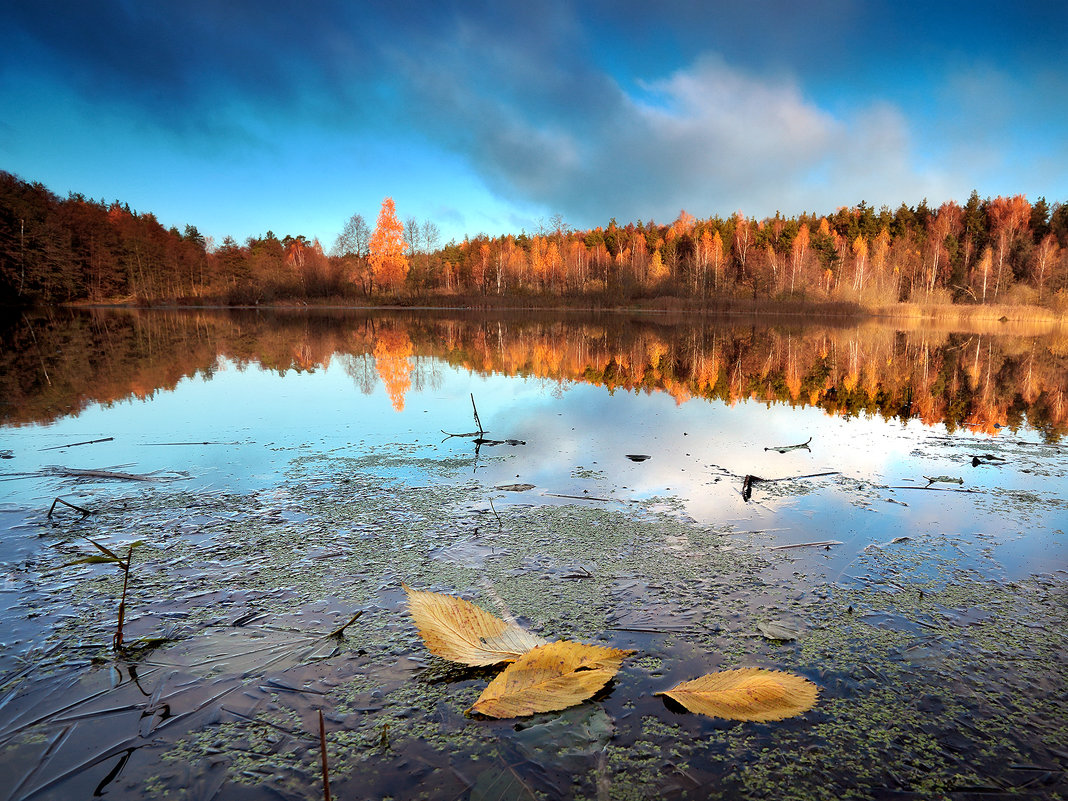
x,y
108,556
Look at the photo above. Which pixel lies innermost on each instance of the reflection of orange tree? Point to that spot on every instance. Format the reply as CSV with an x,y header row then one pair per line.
x,y
393,352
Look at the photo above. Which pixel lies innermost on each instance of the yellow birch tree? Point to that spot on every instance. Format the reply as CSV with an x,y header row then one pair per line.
x,y
389,265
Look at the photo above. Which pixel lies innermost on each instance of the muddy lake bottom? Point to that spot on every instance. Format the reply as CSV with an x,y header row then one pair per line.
x,y
941,672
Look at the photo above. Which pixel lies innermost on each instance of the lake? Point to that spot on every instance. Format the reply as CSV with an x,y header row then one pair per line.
x,y
892,496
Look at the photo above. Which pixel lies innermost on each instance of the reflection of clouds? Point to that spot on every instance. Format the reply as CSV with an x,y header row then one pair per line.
x,y
275,417
701,450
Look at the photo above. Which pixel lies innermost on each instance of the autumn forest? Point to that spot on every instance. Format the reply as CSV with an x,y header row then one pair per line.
x,y
1004,251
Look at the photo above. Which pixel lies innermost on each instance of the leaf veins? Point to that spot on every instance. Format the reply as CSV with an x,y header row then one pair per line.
x,y
459,631
550,677
752,694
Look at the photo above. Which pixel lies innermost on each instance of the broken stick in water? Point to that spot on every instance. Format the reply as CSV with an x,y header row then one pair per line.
x,y
475,409
52,508
76,444
322,752
73,472
785,448
340,630
749,481
820,544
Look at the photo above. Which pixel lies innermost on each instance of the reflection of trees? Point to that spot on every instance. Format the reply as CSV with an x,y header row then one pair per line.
x,y
361,369
393,361
975,381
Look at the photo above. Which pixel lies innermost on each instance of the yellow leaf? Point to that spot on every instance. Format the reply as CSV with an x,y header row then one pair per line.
x,y
455,629
550,677
746,694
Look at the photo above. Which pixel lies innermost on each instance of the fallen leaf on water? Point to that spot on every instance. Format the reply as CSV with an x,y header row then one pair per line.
x,y
550,677
746,694
457,630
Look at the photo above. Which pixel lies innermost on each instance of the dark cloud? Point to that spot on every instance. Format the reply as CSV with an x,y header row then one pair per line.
x,y
186,64
620,109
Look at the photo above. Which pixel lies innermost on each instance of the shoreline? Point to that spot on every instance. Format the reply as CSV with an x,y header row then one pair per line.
x,y
666,304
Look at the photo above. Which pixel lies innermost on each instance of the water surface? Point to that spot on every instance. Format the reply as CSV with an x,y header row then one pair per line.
x,y
302,468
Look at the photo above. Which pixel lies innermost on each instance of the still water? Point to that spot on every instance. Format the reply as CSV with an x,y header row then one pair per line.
x,y
643,473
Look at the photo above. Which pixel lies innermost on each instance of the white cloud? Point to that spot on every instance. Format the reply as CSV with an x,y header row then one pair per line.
x,y
709,138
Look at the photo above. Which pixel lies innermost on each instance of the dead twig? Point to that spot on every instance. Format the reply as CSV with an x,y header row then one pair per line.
x,y
582,497
52,508
74,472
340,630
938,489
468,434
750,480
76,444
785,448
322,751
575,574
820,544
795,478
475,409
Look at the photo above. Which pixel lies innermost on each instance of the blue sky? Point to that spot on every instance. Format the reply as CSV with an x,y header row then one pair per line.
x,y
248,115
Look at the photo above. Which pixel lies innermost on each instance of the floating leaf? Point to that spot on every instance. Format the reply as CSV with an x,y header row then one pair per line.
x,y
457,630
550,677
746,694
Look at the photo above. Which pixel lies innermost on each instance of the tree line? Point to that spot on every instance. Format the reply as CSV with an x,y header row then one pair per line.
x,y
1004,250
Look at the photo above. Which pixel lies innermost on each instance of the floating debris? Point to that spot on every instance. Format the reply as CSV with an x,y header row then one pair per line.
x,y
943,480
820,544
775,630
787,448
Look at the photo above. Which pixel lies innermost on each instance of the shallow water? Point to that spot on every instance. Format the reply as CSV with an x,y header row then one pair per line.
x,y
306,489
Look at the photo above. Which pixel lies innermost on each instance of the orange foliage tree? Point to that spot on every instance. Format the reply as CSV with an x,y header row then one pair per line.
x,y
389,265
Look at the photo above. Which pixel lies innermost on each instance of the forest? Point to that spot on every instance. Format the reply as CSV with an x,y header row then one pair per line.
x,y
1003,251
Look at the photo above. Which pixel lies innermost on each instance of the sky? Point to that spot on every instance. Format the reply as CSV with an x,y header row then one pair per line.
x,y
243,116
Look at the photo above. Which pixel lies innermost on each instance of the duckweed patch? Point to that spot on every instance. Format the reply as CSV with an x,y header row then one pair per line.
x,y
937,678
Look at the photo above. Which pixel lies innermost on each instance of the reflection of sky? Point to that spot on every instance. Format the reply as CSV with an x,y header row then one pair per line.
x,y
577,439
